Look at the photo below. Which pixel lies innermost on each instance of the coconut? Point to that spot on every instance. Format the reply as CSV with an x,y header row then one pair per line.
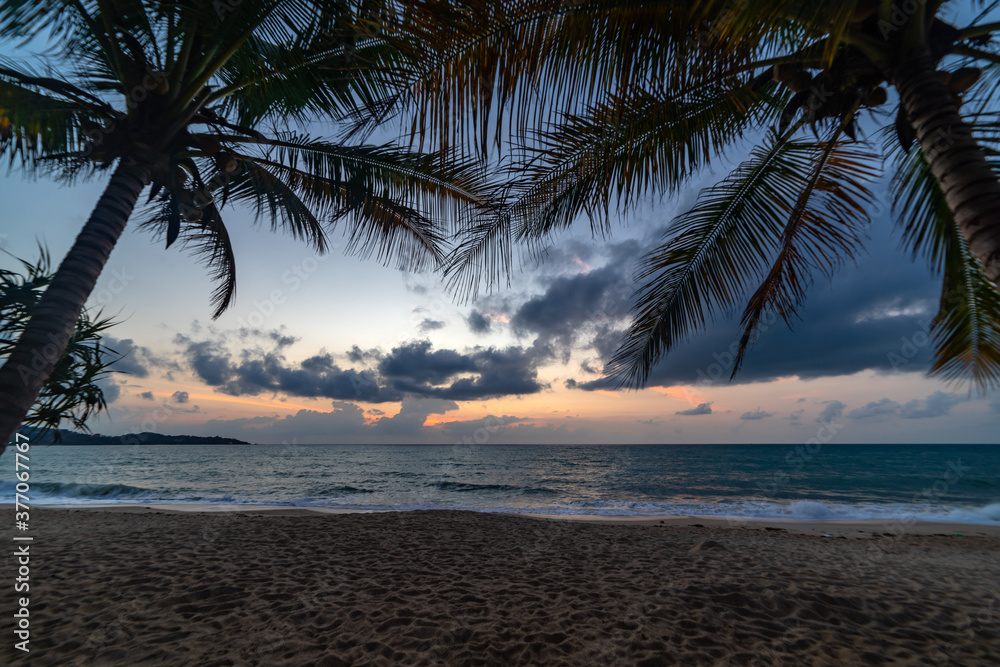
x,y
203,197
225,162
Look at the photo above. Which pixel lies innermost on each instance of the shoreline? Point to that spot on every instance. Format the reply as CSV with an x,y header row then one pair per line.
x,y
834,527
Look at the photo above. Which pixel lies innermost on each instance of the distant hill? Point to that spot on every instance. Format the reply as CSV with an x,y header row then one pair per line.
x,y
67,437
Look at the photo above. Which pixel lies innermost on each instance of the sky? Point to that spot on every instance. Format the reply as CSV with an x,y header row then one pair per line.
x,y
333,349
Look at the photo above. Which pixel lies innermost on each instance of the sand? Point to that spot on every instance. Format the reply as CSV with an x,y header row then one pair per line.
x,y
156,587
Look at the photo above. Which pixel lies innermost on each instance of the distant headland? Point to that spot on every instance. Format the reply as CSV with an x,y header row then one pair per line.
x,y
67,437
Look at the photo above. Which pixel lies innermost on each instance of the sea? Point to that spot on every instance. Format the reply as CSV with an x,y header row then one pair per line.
x,y
957,483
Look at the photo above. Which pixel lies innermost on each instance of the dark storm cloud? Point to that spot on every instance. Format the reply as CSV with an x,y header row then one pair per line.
x,y
416,370
146,395
574,299
180,397
260,371
701,409
415,362
874,315
413,369
588,304
571,301
316,377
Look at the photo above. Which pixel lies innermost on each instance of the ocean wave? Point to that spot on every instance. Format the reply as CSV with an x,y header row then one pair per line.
x,y
341,490
49,491
803,510
506,498
466,487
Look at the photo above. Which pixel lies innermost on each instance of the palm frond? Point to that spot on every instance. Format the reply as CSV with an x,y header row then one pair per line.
x,y
526,63
713,253
206,238
825,226
646,142
209,240
34,124
263,188
400,193
966,329
300,81
72,392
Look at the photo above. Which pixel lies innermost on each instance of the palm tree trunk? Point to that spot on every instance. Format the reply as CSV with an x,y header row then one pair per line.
x,y
970,186
48,331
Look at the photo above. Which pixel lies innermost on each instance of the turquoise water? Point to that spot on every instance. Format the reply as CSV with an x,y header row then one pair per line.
x,y
953,482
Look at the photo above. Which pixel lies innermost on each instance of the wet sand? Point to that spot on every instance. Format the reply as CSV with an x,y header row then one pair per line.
x,y
165,586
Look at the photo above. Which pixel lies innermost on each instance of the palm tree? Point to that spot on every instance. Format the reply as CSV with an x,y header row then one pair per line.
x,y
193,99
595,105
72,392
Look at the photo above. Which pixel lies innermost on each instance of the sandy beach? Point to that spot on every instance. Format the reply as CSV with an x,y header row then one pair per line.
x,y
155,586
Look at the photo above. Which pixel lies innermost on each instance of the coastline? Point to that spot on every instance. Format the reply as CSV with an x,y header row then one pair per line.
x,y
845,527
146,585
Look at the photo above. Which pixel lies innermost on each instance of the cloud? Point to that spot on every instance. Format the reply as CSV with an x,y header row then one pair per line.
x,y
267,371
702,409
573,304
110,388
416,370
875,411
478,431
796,416
412,415
430,325
135,359
359,356
867,318
180,397
413,369
754,415
346,423
937,404
416,363
147,395
832,410
478,323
